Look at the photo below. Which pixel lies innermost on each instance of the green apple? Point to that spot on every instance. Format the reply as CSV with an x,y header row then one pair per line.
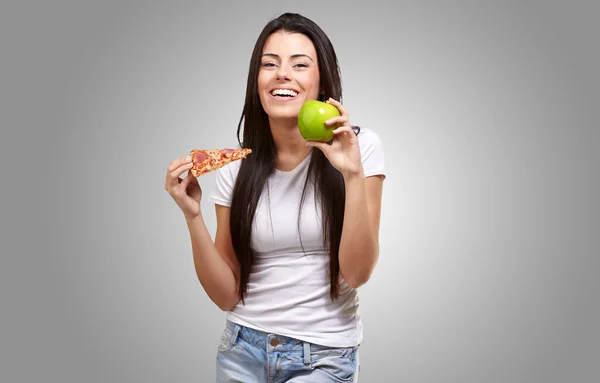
x,y
311,120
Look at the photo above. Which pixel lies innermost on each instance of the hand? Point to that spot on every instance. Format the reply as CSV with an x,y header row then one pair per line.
x,y
186,192
344,151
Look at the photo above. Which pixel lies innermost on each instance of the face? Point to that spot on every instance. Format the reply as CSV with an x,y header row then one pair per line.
x,y
288,74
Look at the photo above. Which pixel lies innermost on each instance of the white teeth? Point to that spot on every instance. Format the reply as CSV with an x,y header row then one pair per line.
x,y
284,92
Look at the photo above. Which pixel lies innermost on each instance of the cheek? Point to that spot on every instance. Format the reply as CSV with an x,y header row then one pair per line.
x,y
262,82
313,89
311,83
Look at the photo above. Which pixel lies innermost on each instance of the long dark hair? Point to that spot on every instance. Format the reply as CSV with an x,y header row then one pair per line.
x,y
254,171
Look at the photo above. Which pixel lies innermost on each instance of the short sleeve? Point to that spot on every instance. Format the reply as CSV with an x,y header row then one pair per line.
x,y
372,154
224,182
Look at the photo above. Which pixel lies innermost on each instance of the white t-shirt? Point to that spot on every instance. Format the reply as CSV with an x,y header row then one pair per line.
x,y
288,288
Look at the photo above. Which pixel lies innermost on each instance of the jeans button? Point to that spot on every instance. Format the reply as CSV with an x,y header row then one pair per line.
x,y
274,342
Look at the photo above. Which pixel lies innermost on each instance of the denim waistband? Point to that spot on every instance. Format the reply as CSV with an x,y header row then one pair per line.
x,y
295,349
280,343
265,340
273,342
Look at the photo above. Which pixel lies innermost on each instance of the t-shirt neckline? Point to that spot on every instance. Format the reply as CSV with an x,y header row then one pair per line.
x,y
296,169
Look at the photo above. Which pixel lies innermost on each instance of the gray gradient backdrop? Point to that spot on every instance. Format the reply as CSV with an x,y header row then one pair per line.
x,y
489,112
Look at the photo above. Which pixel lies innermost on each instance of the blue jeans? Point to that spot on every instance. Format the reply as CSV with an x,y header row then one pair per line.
x,y
250,356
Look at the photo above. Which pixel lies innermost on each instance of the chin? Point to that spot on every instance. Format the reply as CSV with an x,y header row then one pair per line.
x,y
283,116
281,112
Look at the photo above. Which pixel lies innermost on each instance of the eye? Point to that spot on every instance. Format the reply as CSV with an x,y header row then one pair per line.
x,y
301,65
268,64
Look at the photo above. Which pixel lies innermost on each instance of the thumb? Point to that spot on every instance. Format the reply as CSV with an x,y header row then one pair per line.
x,y
186,181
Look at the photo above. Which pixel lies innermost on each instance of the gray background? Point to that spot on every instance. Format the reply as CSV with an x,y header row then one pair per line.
x,y
489,113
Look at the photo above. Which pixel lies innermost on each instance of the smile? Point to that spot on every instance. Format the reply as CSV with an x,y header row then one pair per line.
x,y
284,93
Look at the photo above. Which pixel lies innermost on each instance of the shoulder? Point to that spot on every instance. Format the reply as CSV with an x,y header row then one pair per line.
x,y
371,151
367,135
225,178
368,139
229,171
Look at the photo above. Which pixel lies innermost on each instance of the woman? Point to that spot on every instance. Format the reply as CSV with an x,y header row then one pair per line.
x,y
297,221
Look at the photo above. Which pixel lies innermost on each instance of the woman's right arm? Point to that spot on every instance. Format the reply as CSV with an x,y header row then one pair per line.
x,y
215,262
216,265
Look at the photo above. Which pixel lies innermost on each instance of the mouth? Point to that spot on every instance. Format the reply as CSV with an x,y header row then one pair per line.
x,y
284,93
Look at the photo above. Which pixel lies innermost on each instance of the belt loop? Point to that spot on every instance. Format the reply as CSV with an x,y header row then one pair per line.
x,y
306,354
234,335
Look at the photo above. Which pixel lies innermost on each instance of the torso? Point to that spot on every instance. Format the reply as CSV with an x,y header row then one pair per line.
x,y
288,289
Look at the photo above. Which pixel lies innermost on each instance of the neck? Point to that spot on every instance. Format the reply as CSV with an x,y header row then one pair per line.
x,y
287,138
289,143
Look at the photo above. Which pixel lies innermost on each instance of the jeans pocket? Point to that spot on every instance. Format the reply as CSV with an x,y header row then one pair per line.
x,y
228,338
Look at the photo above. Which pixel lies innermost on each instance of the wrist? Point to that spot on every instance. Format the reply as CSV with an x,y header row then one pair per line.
x,y
193,220
354,175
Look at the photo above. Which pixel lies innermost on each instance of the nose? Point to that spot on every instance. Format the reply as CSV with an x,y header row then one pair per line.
x,y
282,73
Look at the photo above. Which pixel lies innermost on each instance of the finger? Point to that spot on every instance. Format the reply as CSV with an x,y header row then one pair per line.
x,y
178,162
340,120
186,181
174,175
343,129
345,133
338,105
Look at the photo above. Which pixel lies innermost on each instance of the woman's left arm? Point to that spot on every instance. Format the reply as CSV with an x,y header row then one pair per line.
x,y
359,246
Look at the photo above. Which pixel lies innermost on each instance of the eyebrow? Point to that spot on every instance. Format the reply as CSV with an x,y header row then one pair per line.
x,y
292,56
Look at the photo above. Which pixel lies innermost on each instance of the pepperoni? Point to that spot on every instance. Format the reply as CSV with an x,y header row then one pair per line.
x,y
200,156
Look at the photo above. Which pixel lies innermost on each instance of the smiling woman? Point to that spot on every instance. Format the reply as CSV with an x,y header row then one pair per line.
x,y
297,221
289,77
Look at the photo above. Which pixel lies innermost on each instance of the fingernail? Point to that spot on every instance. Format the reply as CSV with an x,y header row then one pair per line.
x,y
189,158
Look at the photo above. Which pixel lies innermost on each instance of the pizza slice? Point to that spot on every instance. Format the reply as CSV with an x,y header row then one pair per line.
x,y
205,161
